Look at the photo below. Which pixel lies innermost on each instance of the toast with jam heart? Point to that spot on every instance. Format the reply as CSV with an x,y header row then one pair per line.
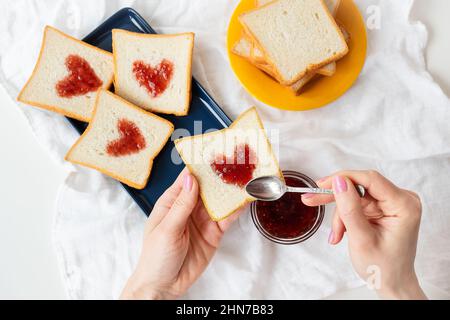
x,y
121,140
224,161
153,71
67,76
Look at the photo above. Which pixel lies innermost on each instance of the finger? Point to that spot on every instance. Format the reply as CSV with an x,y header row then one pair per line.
x,y
315,200
337,229
165,202
211,231
224,225
178,215
348,203
168,197
380,188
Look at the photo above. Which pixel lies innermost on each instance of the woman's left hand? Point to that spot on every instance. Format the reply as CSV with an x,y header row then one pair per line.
x,y
179,241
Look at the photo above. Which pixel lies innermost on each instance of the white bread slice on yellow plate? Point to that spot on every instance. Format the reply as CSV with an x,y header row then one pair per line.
x,y
210,158
327,70
298,86
55,83
242,49
296,36
154,71
121,141
258,56
249,50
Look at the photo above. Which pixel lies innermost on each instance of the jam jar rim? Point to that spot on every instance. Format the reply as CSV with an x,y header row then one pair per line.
x,y
291,241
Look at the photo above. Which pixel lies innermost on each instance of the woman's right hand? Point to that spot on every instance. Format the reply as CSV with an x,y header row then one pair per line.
x,y
382,230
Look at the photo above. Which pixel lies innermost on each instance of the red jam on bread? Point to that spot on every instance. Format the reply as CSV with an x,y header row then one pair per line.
x,y
130,141
239,168
154,79
288,217
81,79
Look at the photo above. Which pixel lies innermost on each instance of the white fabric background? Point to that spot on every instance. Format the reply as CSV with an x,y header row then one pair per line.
x,y
395,120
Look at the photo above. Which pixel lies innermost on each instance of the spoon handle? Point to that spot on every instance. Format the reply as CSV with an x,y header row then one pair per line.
x,y
309,190
360,189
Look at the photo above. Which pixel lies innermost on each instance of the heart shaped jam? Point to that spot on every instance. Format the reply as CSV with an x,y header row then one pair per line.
x,y
129,142
237,169
80,80
155,79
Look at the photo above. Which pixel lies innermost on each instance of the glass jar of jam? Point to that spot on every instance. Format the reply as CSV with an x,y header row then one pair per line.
x,y
288,220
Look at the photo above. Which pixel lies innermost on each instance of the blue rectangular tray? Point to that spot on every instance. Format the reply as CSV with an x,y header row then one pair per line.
x,y
203,110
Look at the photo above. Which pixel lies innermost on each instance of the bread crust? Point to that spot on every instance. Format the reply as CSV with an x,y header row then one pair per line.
x,y
310,67
249,199
267,140
336,8
37,66
253,47
186,107
106,172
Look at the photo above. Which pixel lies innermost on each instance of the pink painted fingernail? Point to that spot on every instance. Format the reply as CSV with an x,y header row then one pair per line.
x,y
187,184
308,196
339,184
331,237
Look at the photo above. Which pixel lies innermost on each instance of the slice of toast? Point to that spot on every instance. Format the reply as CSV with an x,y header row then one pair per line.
x,y
257,55
327,70
296,87
121,141
67,75
257,58
154,71
249,50
222,176
296,36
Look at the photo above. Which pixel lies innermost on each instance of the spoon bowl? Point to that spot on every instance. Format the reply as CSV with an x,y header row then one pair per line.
x,y
269,188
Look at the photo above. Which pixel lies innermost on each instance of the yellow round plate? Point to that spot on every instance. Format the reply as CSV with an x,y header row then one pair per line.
x,y
319,92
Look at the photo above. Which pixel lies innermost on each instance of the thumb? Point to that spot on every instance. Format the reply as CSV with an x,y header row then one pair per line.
x,y
348,204
183,205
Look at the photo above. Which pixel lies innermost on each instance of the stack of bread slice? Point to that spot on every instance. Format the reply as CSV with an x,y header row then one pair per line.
x,y
152,72
293,41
